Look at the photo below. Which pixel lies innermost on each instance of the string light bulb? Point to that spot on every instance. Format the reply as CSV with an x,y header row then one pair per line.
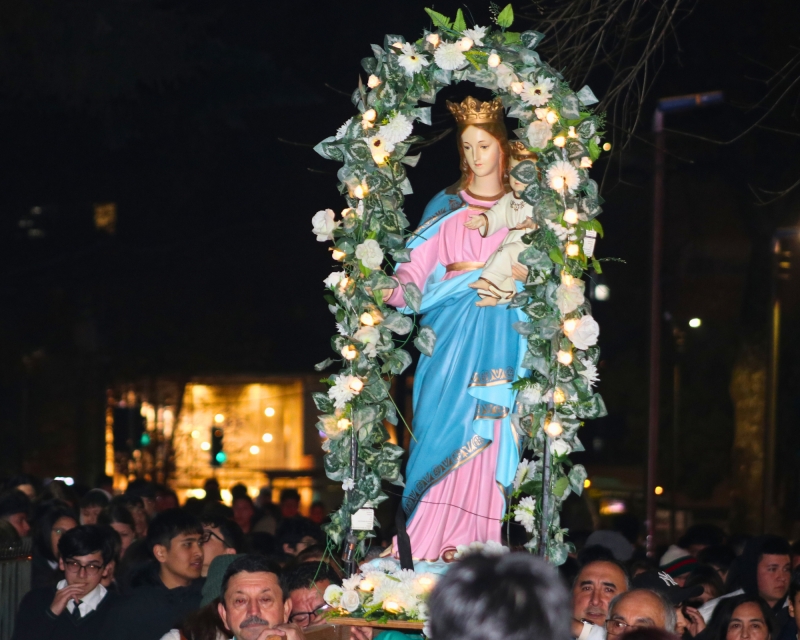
x,y
551,117
573,250
569,325
349,352
391,606
366,319
607,146
373,81
557,182
586,162
366,585
465,44
572,133
433,39
559,141
360,192
571,216
554,427
566,279
338,255
564,357
356,385
370,115
343,423
559,397
493,61
516,87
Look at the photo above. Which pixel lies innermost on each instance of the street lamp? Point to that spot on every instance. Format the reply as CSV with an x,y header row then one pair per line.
x,y
665,105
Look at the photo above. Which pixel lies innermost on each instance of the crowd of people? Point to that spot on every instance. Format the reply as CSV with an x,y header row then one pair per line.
x,y
140,566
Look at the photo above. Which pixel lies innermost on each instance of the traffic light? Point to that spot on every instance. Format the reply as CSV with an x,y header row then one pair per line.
x,y
217,453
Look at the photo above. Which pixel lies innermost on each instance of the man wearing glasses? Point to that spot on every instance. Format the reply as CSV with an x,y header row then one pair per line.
x,y
78,605
220,536
306,584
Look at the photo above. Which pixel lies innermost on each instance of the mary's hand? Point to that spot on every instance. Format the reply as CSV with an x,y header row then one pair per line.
x,y
519,271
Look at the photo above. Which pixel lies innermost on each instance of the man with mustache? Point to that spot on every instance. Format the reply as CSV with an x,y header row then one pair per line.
x,y
595,586
254,604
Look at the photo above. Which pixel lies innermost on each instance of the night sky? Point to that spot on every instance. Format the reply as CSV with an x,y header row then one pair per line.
x,y
197,120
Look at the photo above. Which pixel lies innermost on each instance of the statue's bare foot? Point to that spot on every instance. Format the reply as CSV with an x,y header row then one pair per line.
x,y
480,283
488,301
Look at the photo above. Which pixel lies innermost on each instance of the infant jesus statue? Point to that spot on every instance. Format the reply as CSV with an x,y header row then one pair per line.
x,y
496,284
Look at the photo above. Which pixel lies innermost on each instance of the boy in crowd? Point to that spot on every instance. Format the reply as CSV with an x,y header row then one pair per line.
x,y
173,589
77,607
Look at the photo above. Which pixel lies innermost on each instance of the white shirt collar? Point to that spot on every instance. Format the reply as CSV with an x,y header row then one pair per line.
x,y
90,601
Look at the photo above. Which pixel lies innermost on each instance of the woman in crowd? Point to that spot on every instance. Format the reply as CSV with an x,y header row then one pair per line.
x,y
52,520
119,518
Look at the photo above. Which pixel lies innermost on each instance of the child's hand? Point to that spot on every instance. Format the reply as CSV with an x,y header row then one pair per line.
x,y
475,222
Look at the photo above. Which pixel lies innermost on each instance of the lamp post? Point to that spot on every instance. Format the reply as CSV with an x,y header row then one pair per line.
x,y
780,268
665,105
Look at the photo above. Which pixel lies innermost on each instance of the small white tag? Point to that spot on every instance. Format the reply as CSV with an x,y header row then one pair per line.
x,y
588,243
363,520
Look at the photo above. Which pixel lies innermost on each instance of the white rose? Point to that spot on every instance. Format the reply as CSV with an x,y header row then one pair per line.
x,y
539,134
570,297
350,600
333,595
334,278
370,254
559,447
505,76
368,336
324,225
585,333
350,584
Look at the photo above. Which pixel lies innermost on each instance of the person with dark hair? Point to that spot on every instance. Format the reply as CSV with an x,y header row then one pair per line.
x,y
120,519
707,577
146,491
253,601
166,498
15,508
243,512
289,503
763,569
220,536
701,536
511,597
295,534
720,557
790,629
105,483
92,504
23,482
136,507
318,513
171,589
58,490
52,520
306,584
640,608
598,582
78,606
742,617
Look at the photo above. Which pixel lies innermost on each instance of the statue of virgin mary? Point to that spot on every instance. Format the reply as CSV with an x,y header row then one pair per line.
x,y
464,452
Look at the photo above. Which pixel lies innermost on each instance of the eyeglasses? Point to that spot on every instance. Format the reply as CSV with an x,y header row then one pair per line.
x,y
208,534
618,627
307,617
73,566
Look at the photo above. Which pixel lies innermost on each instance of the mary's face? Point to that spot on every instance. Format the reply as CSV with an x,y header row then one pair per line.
x,y
481,150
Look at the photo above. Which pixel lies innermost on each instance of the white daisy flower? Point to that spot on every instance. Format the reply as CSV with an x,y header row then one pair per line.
x,y
590,373
524,513
348,485
341,131
449,57
538,93
342,390
562,175
476,34
411,61
396,130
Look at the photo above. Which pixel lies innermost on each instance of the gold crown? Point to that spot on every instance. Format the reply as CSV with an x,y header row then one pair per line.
x,y
472,111
520,152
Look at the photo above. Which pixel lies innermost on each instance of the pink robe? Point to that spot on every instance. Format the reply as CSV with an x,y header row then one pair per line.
x,y
446,515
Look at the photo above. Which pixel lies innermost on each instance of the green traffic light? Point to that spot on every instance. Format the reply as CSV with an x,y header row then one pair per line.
x,y
145,439
221,457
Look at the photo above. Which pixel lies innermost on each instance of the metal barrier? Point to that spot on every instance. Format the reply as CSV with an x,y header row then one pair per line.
x,y
15,582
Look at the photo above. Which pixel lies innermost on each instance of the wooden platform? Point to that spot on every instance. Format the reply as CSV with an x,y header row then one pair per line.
x,y
391,624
